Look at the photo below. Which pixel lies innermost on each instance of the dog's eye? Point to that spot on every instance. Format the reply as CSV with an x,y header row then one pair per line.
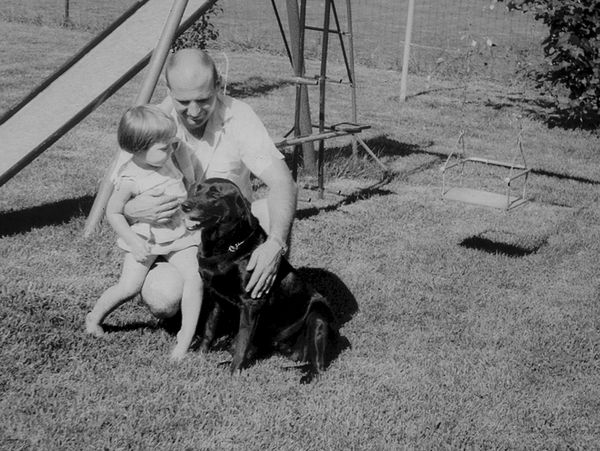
x,y
213,192
186,207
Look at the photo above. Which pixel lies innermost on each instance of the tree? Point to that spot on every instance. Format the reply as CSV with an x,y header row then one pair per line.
x,y
572,51
200,33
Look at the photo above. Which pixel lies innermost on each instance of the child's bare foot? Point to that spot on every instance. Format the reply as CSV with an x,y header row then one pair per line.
x,y
92,326
178,353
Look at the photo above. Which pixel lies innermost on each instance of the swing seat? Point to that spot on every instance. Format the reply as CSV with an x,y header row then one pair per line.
x,y
504,201
484,198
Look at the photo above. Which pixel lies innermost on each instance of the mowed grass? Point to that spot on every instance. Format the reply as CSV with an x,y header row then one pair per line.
x,y
469,327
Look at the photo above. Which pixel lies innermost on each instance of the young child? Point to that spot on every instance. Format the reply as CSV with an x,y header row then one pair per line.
x,y
148,134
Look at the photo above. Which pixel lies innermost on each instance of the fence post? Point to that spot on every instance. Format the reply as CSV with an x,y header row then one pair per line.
x,y
67,16
406,54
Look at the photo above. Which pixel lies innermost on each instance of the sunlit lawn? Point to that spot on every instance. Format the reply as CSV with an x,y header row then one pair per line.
x,y
469,327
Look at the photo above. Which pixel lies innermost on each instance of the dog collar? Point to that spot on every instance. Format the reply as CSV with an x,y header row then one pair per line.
x,y
234,247
233,250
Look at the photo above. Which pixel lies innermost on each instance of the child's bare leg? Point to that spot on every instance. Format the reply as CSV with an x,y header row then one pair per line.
x,y
186,263
130,284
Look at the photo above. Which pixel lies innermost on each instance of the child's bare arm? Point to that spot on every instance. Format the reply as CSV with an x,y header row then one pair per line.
x,y
114,214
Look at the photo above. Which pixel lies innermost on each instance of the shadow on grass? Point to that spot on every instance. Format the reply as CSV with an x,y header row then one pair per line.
x,y
60,212
131,327
564,118
254,86
19,221
341,300
361,194
550,113
496,245
392,147
343,305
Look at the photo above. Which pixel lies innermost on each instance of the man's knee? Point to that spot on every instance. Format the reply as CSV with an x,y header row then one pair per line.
x,y
162,290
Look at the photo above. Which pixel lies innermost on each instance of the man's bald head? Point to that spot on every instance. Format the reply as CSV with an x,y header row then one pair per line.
x,y
190,67
193,87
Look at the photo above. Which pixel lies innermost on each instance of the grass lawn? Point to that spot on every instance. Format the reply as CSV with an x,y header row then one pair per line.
x,y
469,327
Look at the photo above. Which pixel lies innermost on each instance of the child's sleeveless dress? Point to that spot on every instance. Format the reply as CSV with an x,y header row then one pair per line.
x,y
171,235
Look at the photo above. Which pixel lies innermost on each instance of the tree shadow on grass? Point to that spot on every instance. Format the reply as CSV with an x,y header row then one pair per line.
x,y
254,86
565,119
549,112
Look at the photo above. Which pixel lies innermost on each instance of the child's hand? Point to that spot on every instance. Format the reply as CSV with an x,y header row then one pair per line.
x,y
140,250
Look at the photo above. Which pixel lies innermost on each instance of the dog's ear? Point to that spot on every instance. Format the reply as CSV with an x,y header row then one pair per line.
x,y
243,205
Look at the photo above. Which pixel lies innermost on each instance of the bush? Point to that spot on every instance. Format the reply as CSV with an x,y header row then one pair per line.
x,y
200,33
572,51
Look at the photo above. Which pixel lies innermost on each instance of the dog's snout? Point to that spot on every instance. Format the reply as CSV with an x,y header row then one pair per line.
x,y
186,207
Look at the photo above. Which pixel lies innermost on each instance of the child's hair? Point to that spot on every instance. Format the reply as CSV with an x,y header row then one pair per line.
x,y
144,125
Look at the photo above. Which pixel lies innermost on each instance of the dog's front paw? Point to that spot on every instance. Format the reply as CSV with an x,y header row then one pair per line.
x,y
204,346
309,377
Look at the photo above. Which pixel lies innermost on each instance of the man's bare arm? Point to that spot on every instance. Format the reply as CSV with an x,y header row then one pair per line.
x,y
281,204
151,207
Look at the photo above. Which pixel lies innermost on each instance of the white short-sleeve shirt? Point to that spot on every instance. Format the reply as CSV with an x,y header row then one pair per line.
x,y
234,145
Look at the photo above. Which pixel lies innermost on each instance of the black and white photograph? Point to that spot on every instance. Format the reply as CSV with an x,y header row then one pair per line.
x,y
303,225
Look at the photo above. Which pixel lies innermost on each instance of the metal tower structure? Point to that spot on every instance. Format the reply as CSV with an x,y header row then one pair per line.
x,y
295,50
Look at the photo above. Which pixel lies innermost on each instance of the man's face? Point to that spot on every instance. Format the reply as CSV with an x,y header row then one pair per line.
x,y
194,103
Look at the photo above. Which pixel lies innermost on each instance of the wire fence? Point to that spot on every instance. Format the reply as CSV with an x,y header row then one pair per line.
x,y
450,37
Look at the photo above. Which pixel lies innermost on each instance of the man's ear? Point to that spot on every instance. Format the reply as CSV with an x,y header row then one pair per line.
x,y
219,82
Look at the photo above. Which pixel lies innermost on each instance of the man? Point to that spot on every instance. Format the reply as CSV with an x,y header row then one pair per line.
x,y
227,140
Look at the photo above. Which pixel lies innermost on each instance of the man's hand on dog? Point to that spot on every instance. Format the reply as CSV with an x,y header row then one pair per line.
x,y
263,263
152,207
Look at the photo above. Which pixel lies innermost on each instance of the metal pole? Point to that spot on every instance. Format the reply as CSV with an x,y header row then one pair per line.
x,y
67,17
302,122
352,72
159,55
406,55
282,32
145,94
322,85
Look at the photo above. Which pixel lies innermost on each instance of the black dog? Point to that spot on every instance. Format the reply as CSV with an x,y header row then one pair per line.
x,y
292,318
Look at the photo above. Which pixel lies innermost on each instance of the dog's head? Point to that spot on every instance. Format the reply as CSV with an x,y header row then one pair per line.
x,y
213,202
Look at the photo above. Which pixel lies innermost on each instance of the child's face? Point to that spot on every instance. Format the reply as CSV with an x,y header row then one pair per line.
x,y
156,155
